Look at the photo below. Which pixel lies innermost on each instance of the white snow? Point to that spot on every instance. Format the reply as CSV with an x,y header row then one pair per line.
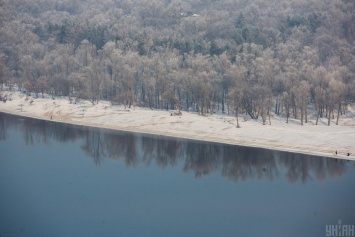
x,y
309,139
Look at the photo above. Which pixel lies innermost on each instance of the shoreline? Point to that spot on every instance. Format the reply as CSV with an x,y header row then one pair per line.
x,y
194,138
320,140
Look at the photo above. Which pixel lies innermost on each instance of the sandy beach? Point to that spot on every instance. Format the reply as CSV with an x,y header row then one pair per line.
x,y
312,139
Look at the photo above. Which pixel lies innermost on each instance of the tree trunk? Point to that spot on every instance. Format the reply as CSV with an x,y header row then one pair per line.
x,y
236,113
305,113
287,109
222,103
339,109
329,114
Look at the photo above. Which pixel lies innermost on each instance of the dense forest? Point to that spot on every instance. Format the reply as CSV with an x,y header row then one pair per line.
x,y
234,56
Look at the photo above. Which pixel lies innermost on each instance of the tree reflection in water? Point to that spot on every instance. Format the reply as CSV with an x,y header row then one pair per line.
x,y
201,158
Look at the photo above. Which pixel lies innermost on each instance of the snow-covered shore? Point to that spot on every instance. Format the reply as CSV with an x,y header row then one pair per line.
x,y
320,140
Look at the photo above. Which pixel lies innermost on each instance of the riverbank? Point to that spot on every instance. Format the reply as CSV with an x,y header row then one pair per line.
x,y
312,139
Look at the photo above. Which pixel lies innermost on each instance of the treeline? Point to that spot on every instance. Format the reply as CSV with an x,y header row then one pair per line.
x,y
200,158
234,56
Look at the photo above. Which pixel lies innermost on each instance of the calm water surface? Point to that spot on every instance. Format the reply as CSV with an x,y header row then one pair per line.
x,y
64,180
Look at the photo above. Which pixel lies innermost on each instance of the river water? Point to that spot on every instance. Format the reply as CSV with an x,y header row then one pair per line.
x,y
64,180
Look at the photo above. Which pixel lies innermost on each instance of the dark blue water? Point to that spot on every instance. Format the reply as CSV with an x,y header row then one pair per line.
x,y
64,180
